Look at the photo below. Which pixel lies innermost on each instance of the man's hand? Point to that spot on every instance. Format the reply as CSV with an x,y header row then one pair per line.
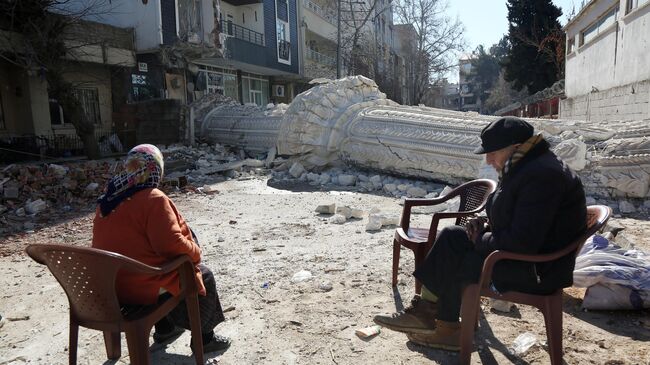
x,y
475,227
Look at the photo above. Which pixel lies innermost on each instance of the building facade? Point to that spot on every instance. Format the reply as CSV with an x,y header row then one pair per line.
x,y
97,55
607,75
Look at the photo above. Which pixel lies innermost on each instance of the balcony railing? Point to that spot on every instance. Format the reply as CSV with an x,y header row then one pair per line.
x,y
321,58
329,16
242,33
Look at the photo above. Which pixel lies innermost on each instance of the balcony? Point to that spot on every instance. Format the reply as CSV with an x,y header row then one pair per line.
x,y
321,58
242,33
329,16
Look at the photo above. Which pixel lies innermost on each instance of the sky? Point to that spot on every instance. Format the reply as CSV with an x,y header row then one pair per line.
x,y
486,20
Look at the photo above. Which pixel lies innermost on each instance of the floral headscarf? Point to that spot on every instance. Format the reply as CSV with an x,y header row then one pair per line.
x,y
143,169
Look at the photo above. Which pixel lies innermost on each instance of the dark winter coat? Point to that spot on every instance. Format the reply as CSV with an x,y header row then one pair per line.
x,y
539,207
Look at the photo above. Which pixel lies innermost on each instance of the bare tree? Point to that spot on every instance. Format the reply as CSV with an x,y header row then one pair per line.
x,y
42,37
439,41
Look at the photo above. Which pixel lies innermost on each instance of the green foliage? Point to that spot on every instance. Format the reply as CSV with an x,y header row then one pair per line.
x,y
536,56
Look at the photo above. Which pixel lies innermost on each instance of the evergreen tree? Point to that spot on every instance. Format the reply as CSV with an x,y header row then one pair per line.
x,y
536,57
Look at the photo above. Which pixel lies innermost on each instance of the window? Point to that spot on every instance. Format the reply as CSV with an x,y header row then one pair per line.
x,y
255,15
282,10
89,101
2,115
218,81
255,90
599,26
633,4
282,32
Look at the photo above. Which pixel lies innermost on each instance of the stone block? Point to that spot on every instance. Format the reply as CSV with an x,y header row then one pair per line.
x,y
326,208
296,170
347,180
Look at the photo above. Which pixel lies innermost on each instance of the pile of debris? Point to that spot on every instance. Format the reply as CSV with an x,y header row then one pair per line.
x,y
34,193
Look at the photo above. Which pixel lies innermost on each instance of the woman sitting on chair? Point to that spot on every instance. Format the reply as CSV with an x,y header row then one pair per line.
x,y
136,219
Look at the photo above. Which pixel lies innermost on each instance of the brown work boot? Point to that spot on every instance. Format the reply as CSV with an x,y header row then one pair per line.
x,y
416,318
446,336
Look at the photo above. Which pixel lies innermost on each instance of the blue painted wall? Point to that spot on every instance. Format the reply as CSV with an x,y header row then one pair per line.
x,y
266,56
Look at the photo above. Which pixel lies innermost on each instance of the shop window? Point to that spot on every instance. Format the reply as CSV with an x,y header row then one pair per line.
x,y
255,91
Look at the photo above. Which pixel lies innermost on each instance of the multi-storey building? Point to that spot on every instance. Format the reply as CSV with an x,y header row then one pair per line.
x,y
245,49
607,74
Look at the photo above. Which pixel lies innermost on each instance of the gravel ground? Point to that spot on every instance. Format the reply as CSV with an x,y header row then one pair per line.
x,y
255,237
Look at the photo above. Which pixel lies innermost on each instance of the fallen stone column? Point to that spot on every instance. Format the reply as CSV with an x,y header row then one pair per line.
x,y
350,122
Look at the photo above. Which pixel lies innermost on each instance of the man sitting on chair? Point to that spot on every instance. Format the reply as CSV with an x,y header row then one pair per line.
x,y
538,207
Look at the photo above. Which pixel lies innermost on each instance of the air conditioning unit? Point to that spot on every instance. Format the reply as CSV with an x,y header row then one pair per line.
x,y
278,90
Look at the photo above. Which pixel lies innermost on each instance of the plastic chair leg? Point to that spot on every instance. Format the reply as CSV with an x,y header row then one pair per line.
x,y
192,302
137,340
396,252
113,346
553,320
72,348
469,317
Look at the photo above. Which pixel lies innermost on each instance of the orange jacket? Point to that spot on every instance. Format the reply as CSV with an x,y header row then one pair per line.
x,y
148,228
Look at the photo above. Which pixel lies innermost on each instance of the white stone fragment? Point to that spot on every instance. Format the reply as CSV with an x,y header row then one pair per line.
x,y
270,157
376,180
590,200
326,208
573,152
416,192
378,220
357,213
337,219
57,170
301,276
324,178
347,180
389,188
35,207
403,187
313,177
92,186
296,170
344,211
626,207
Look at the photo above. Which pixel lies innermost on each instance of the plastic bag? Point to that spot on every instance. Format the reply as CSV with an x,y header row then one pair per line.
x,y
523,343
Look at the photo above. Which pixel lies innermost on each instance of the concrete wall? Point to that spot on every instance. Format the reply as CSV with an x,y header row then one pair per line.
x,y
145,18
625,103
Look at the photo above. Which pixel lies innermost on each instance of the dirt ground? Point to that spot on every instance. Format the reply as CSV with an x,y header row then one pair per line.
x,y
255,237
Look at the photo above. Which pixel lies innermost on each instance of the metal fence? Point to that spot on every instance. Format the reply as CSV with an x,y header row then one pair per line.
x,y
51,146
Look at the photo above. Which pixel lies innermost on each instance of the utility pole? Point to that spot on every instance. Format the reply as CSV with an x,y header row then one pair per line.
x,y
338,39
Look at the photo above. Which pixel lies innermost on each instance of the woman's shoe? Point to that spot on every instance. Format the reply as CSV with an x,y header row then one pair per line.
x,y
167,337
215,343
